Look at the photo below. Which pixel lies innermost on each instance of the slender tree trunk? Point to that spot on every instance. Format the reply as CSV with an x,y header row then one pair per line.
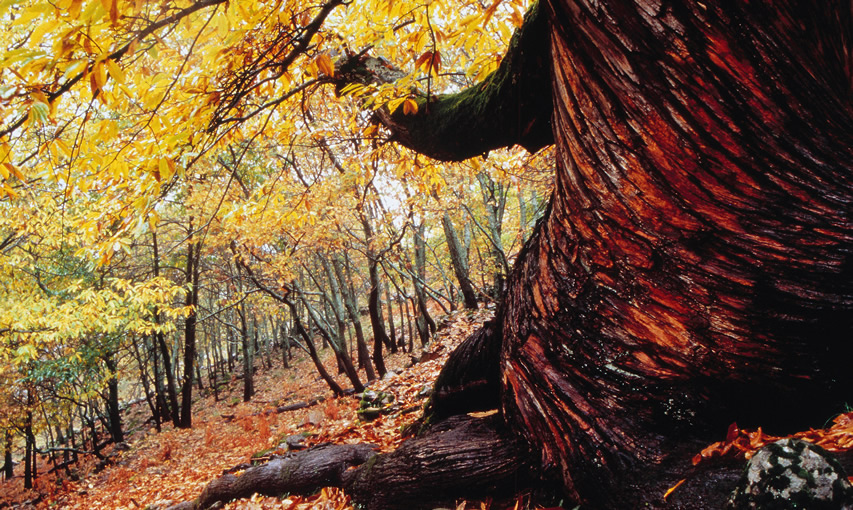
x,y
312,352
30,455
402,309
354,315
426,326
340,350
248,355
8,465
380,337
285,344
522,215
150,395
113,410
494,200
171,385
376,322
193,271
459,261
391,328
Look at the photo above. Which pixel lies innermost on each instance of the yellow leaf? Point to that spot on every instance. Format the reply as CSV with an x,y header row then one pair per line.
x,y
97,78
324,63
9,191
222,25
115,71
423,60
395,103
166,168
62,146
311,69
153,219
39,113
43,28
4,170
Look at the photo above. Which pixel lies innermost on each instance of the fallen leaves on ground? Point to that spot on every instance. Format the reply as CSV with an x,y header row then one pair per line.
x,y
837,438
176,464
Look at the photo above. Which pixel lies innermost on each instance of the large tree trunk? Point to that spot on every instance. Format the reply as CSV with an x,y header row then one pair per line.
x,y
699,241
694,266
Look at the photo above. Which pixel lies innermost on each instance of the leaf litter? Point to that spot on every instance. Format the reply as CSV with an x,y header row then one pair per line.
x,y
174,465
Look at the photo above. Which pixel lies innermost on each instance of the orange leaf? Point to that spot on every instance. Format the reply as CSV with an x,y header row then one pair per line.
x,y
436,62
410,107
424,59
324,63
672,489
732,433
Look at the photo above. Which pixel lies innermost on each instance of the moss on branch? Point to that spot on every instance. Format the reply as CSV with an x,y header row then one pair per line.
x,y
510,106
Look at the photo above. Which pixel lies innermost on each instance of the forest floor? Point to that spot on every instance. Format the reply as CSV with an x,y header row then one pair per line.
x,y
174,465
160,469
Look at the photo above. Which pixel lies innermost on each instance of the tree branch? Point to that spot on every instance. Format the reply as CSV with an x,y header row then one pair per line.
x,y
511,106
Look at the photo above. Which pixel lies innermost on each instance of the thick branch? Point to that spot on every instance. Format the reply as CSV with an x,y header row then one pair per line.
x,y
511,106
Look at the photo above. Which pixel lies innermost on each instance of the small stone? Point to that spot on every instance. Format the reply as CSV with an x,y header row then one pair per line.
x,y
369,413
425,391
314,417
295,442
792,474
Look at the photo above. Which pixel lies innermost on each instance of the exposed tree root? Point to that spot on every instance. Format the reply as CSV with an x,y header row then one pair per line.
x,y
460,457
301,472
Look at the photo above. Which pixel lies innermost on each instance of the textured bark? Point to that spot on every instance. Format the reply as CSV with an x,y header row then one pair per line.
x,y
694,267
462,456
470,379
301,472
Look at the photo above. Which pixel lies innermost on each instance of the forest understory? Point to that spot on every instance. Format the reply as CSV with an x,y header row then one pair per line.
x,y
157,470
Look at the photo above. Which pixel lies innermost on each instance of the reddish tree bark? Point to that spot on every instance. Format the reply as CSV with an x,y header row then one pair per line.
x,y
695,266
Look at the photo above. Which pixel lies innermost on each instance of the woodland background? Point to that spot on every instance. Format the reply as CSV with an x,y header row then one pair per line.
x,y
193,192
156,239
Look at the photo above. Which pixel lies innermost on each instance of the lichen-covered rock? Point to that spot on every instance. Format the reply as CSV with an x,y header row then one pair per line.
x,y
373,403
792,474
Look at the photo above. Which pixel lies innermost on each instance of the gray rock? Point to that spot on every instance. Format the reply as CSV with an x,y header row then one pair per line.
x,y
792,474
